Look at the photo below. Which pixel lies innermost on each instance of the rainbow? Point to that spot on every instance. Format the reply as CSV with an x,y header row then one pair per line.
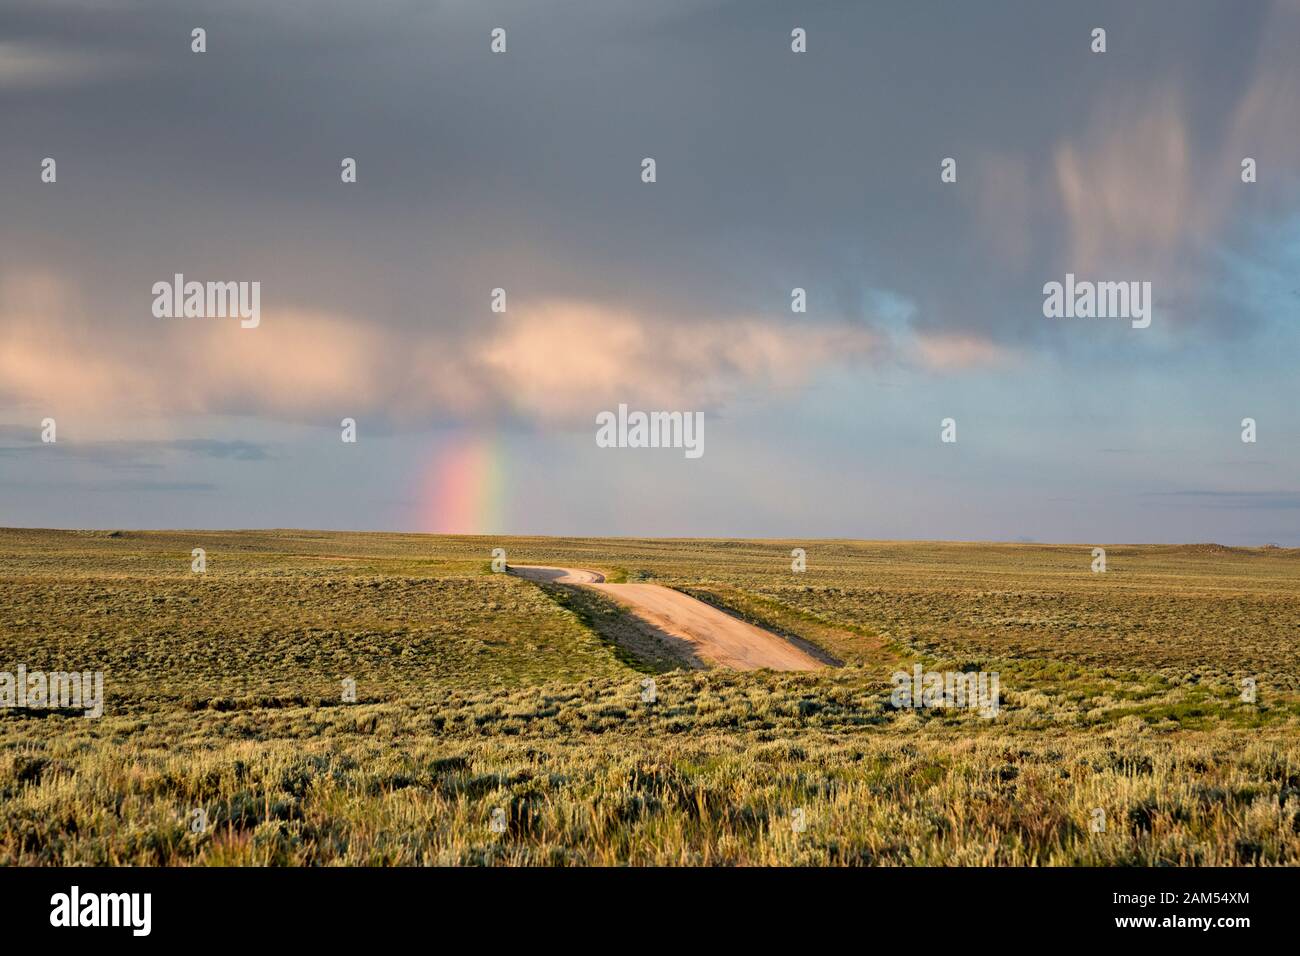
x,y
463,488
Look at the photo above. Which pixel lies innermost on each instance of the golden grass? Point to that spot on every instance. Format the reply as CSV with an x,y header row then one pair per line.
x,y
477,691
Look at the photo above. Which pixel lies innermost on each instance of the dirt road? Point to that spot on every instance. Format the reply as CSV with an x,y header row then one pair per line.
x,y
537,572
713,636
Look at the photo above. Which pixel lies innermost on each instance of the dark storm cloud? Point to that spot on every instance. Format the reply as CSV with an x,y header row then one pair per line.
x,y
521,170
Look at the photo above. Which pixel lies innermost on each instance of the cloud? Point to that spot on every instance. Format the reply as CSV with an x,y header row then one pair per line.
x,y
1265,500
569,359
553,361
1127,188
1254,128
118,485
210,448
20,433
132,454
1150,187
27,66
945,351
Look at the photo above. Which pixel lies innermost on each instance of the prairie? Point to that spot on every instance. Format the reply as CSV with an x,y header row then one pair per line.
x,y
1123,736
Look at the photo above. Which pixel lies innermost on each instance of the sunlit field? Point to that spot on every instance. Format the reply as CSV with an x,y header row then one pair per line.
x,y
1122,737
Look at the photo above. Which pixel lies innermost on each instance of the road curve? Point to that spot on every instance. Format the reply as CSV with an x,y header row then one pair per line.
x,y
549,575
714,636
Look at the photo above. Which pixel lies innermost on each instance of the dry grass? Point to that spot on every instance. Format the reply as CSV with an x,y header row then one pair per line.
x,y
1120,692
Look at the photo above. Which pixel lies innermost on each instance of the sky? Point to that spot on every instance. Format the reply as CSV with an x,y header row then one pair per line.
x,y
774,170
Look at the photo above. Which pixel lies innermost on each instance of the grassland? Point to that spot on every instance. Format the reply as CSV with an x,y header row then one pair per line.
x,y
1120,692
